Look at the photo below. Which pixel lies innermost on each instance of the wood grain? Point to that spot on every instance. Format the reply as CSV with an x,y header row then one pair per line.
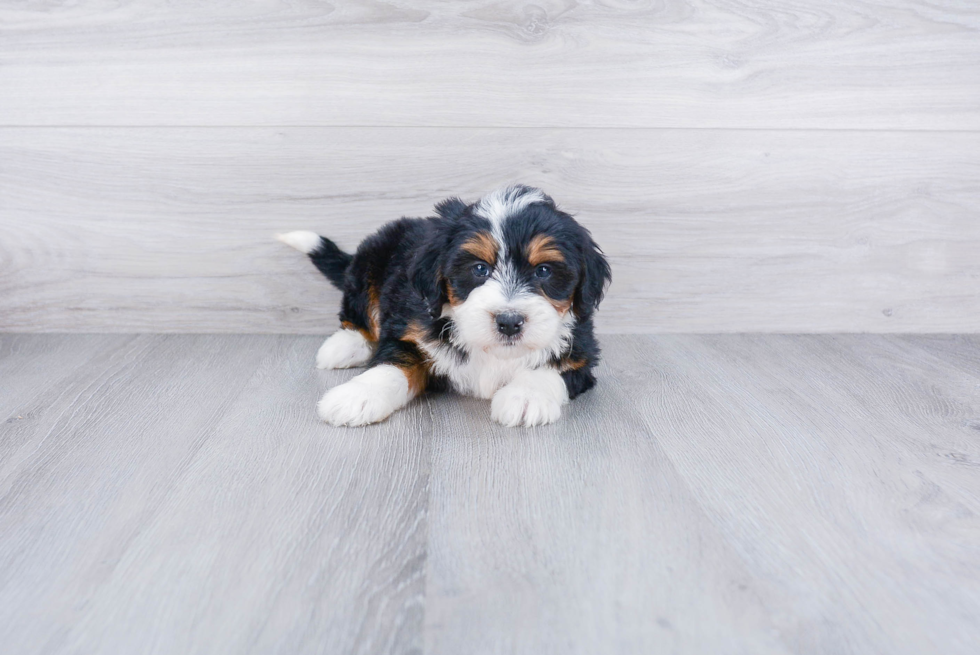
x,y
824,452
579,537
748,494
879,64
724,493
179,496
170,229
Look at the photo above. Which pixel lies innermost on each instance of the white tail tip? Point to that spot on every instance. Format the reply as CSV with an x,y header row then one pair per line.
x,y
305,242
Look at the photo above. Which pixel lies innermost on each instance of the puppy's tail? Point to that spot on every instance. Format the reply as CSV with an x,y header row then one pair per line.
x,y
324,253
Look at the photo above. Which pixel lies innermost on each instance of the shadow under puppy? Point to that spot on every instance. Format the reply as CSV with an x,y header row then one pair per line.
x,y
493,299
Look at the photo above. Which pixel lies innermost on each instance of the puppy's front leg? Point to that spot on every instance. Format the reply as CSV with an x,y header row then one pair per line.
x,y
533,397
370,397
345,348
399,373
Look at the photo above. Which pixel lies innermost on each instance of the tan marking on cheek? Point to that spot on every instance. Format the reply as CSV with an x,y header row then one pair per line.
x,y
453,300
417,376
568,364
483,246
561,306
542,249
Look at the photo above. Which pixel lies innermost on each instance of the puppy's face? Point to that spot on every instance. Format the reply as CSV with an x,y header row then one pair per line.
x,y
510,296
516,274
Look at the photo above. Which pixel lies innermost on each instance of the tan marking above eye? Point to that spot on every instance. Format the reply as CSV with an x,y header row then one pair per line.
x,y
482,245
451,296
542,249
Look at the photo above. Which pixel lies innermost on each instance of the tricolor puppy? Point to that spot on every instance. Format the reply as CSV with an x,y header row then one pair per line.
x,y
493,299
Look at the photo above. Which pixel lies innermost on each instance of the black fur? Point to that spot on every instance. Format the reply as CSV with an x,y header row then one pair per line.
x,y
331,261
585,348
411,267
424,272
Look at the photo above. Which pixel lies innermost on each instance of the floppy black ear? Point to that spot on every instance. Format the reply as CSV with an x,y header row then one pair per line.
x,y
593,278
451,208
426,268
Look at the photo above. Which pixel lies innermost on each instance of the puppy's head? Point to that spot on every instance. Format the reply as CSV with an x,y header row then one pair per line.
x,y
511,272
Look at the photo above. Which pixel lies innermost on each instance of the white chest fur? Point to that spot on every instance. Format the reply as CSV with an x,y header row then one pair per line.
x,y
483,373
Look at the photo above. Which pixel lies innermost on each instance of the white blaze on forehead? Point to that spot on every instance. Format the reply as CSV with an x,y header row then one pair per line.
x,y
497,206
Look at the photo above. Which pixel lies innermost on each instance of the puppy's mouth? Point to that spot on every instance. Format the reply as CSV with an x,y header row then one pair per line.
x,y
505,342
507,346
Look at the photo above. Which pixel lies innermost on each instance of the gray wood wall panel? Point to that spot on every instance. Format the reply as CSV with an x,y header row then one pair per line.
x,y
748,166
170,229
874,64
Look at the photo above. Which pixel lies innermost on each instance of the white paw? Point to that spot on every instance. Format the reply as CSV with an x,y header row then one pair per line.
x,y
370,397
344,349
532,398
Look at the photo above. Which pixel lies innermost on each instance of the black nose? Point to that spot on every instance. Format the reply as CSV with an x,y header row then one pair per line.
x,y
509,324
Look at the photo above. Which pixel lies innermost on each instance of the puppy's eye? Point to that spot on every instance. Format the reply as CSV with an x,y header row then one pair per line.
x,y
542,272
481,270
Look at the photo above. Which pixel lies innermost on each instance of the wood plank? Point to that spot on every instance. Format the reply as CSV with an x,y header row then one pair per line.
x,y
39,375
187,500
579,537
717,494
170,229
93,464
32,366
721,493
823,460
798,482
876,64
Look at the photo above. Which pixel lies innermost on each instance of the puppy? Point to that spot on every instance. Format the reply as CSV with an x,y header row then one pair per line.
x,y
493,299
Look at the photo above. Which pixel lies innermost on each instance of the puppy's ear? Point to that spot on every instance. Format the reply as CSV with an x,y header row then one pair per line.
x,y
593,278
451,208
425,269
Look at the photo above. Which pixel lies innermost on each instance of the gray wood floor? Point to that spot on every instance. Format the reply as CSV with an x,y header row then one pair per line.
x,y
714,494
